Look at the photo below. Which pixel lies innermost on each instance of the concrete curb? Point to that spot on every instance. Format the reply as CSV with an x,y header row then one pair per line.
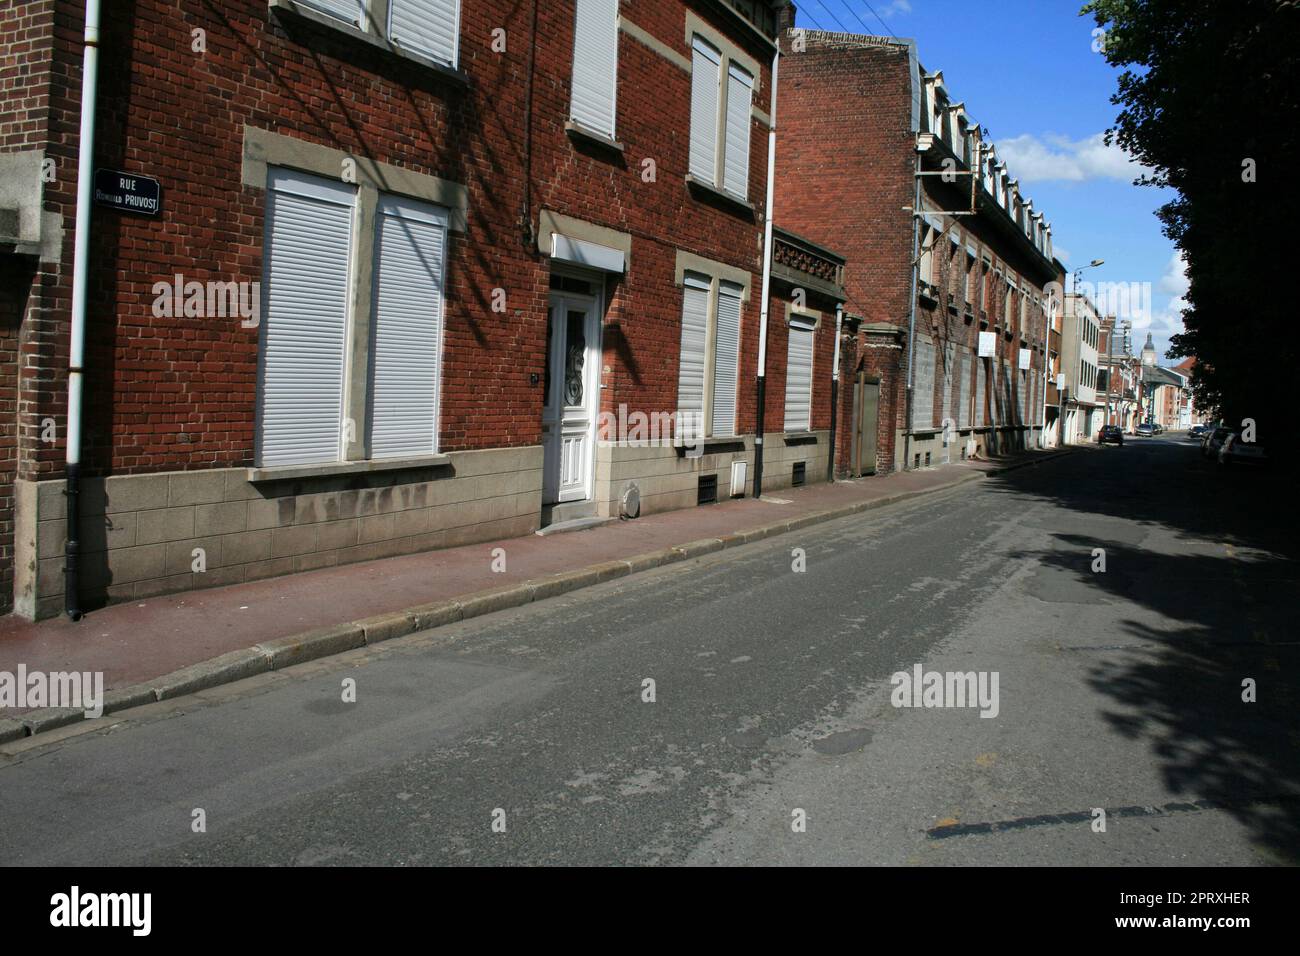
x,y
323,642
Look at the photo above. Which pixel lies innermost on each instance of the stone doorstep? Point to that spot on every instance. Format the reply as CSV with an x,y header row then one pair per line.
x,y
328,641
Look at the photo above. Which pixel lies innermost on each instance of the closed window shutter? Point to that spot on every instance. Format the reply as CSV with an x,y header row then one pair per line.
x,y
351,11
308,241
740,94
690,376
923,386
408,324
798,377
705,65
726,359
427,27
595,65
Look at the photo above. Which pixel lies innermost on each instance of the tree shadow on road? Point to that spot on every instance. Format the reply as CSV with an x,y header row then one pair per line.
x,y
1211,555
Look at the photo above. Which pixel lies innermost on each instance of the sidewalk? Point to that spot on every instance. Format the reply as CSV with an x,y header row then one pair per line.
x,y
137,643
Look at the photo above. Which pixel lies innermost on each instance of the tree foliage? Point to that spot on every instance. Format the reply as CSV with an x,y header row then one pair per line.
x,y
1208,94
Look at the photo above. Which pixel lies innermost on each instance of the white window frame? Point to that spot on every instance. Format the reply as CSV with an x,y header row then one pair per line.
x,y
714,288
392,206
419,51
803,324
304,185
593,9
331,8
726,64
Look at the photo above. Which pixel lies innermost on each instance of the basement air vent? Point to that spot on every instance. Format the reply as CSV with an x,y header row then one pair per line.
x,y
798,474
707,490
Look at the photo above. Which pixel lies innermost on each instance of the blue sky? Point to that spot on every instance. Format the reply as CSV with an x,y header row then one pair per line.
x,y
1027,72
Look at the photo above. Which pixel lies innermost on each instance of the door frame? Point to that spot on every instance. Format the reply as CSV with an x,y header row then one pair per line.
x,y
595,304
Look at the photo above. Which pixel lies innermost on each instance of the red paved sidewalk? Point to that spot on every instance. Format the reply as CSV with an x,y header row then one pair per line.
x,y
139,641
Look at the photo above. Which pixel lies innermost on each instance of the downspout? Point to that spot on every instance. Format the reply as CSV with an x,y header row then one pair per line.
x,y
77,338
526,215
761,385
1047,370
835,389
911,320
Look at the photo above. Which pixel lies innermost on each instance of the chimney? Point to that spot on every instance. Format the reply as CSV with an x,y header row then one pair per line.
x,y
785,18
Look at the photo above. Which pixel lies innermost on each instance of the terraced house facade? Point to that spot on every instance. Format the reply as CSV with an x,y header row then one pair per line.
x,y
370,277
948,265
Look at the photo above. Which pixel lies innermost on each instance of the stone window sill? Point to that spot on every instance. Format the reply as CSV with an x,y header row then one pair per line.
x,y
800,438
712,191
331,469
579,132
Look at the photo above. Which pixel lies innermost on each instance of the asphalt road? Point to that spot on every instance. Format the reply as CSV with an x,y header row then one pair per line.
x,y
1118,689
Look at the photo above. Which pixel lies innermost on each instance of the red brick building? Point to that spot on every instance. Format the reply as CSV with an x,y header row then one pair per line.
x,y
949,268
414,274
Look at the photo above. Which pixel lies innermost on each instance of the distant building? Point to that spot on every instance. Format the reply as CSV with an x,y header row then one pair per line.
x,y
949,266
1080,336
1119,376
1168,398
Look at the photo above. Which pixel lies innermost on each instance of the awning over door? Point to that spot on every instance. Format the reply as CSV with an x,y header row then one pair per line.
x,y
581,252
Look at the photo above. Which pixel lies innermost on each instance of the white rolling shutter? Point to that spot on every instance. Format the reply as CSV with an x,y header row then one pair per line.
x,y
690,376
740,95
726,360
306,268
706,63
949,372
923,386
798,376
595,65
427,27
406,342
350,11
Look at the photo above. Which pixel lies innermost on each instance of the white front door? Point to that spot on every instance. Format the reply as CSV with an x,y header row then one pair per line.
x,y
572,396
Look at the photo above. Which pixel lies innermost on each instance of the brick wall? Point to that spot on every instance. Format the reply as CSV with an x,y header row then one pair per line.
x,y
184,390
844,174
845,178
178,83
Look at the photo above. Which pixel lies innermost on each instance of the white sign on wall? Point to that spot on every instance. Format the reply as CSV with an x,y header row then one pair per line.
x,y
1024,358
988,344
1060,380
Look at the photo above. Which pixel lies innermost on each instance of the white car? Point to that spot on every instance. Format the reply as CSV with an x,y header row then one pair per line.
x,y
1234,451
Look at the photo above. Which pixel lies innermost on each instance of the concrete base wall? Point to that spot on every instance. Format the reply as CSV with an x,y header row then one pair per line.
x,y
140,532
668,480
964,442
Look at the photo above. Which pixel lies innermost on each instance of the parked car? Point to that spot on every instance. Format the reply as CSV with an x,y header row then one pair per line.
x,y
1234,451
1197,432
1111,434
1145,430
1214,441
1160,429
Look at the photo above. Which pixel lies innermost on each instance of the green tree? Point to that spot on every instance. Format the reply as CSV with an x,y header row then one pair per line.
x,y
1208,94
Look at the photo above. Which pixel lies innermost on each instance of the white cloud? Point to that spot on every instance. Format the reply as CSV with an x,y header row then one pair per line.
x,y
898,6
1174,281
1061,253
1031,158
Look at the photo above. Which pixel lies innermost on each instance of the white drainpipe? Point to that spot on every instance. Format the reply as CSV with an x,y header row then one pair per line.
x,y
767,284
80,265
